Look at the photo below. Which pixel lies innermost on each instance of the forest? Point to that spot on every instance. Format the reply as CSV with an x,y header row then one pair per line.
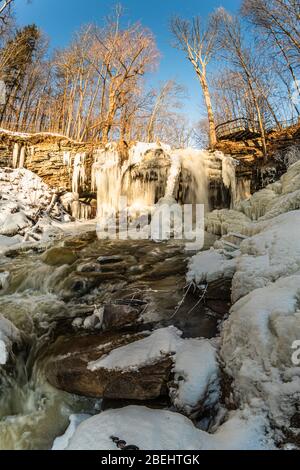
x,y
97,88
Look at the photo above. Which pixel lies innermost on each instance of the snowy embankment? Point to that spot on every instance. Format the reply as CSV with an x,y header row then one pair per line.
x,y
264,321
29,209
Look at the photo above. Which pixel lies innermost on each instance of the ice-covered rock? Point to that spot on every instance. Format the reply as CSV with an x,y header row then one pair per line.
x,y
221,222
272,252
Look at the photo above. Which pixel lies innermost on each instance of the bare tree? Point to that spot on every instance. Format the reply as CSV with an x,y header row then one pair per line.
x,y
167,99
245,62
121,57
4,9
279,22
199,43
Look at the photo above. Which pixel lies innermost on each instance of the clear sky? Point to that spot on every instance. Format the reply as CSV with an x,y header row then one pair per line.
x,y
61,18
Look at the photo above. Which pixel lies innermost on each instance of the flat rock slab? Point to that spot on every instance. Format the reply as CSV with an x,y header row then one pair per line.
x,y
66,368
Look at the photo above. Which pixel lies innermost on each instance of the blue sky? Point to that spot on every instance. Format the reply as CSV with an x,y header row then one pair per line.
x,y
61,18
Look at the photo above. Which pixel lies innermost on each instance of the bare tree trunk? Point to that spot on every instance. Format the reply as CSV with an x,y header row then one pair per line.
x,y
210,114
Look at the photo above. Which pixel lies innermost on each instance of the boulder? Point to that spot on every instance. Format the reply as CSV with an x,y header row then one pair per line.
x,y
118,315
58,256
67,369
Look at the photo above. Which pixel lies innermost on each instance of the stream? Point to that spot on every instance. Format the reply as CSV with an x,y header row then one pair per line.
x,y
48,290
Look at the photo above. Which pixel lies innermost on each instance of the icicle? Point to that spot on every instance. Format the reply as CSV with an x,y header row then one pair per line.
x,y
67,158
173,175
22,157
15,155
79,177
80,210
243,189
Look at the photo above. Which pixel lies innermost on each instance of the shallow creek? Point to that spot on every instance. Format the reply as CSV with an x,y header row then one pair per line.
x,y
47,290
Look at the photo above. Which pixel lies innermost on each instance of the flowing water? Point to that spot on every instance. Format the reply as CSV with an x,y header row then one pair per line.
x,y
46,291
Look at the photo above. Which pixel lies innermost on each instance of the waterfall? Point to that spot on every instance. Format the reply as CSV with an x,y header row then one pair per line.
x,y
154,171
15,155
228,175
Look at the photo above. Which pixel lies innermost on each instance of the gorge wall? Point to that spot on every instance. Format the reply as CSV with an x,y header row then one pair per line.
x,y
145,172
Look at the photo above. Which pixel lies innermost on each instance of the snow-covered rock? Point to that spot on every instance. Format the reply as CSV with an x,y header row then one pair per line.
x,y
140,353
195,366
272,252
264,321
211,265
257,349
9,335
150,429
26,207
196,376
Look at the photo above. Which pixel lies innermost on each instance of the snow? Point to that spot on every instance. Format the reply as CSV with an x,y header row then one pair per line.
x,y
9,334
62,442
211,265
264,321
28,136
271,253
133,356
150,429
196,375
257,349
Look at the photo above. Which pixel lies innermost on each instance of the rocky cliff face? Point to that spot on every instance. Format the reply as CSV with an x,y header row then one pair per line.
x,y
44,155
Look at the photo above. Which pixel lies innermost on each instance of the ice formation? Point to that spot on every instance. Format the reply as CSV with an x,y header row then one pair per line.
x,y
257,349
153,171
264,322
79,177
22,157
16,151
